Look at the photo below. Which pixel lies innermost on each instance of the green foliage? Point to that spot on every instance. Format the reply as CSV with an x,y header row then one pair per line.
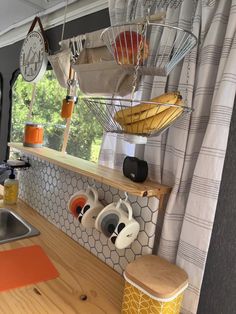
x,y
95,149
84,130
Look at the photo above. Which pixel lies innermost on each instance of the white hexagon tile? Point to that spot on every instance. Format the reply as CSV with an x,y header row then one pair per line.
x,y
47,188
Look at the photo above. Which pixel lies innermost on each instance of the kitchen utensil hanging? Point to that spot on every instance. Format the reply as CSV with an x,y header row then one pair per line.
x,y
152,49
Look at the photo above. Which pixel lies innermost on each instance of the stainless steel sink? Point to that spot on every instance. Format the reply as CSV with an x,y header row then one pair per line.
x,y
13,227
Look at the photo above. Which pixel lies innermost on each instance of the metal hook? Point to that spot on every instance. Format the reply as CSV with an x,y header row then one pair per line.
x,y
93,185
148,4
122,200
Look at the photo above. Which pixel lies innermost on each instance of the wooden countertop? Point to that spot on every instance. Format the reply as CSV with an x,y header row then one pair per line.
x,y
81,273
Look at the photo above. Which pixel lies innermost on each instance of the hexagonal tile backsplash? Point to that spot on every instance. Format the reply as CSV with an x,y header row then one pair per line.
x,y
47,188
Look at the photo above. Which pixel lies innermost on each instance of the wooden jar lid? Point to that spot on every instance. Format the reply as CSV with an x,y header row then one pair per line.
x,y
157,277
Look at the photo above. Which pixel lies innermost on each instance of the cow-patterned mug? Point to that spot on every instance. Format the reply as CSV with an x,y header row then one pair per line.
x,y
116,222
85,206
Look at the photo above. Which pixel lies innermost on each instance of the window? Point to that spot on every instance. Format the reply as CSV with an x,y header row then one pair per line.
x,y
85,132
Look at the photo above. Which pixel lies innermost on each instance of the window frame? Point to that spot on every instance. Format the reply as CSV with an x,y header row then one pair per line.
x,y
66,133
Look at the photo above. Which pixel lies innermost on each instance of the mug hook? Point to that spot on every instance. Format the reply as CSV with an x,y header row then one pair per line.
x,y
92,185
121,200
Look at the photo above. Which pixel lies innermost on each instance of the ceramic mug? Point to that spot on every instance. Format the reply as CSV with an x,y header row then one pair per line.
x,y
77,202
85,206
116,222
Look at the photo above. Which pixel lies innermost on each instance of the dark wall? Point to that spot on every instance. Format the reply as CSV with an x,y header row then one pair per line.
x,y
218,295
9,63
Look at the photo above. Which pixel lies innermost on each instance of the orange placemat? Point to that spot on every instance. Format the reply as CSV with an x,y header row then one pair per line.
x,y
24,266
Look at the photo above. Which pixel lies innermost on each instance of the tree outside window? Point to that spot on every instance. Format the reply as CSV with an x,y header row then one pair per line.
x,y
85,132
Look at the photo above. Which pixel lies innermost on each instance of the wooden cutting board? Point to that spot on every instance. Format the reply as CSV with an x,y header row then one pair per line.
x,y
25,266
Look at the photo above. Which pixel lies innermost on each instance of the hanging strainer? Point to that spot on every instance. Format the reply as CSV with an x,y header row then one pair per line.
x,y
163,46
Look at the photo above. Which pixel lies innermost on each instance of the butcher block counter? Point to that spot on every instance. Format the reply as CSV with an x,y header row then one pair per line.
x,y
85,284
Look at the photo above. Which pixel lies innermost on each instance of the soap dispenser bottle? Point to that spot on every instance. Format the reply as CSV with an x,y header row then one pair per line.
x,y
11,187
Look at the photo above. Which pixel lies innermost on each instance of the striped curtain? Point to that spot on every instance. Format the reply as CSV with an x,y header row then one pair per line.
x,y
190,155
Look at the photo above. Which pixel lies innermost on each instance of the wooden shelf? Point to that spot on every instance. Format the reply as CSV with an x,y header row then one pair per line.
x,y
99,173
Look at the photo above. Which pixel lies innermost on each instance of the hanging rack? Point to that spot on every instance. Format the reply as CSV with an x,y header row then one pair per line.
x,y
132,45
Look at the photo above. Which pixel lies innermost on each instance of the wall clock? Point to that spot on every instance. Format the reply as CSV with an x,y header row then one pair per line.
x,y
33,55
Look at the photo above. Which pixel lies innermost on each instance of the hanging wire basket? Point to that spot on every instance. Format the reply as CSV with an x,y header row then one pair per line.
x,y
133,117
160,47
151,49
